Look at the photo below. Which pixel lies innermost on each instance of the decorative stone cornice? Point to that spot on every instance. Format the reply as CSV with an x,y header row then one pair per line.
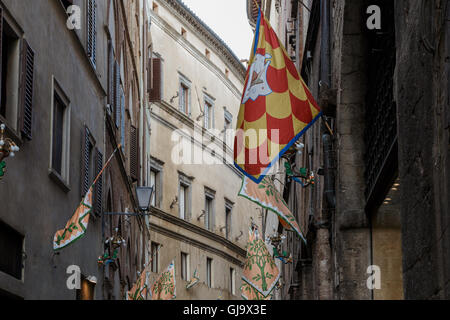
x,y
184,13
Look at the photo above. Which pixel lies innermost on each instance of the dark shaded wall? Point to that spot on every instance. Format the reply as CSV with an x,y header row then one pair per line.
x,y
423,115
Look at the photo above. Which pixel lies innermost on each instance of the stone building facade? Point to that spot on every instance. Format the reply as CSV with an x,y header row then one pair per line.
x,y
56,104
381,193
197,216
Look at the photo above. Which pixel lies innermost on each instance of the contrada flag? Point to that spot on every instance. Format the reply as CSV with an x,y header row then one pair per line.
x,y
276,109
76,226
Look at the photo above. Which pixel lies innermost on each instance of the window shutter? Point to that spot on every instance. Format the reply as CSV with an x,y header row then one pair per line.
x,y
111,75
92,30
1,49
149,75
26,90
85,148
134,154
122,119
117,101
255,10
155,93
98,206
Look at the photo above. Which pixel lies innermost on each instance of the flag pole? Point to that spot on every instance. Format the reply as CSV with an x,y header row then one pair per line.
x,y
106,165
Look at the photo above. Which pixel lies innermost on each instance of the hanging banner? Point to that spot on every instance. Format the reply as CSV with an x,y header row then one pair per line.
x,y
77,225
140,288
277,107
260,271
165,287
267,196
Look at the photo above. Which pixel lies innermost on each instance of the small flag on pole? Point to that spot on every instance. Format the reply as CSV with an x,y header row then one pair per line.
x,y
277,107
165,287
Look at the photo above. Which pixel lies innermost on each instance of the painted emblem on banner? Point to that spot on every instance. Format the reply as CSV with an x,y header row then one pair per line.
x,y
257,83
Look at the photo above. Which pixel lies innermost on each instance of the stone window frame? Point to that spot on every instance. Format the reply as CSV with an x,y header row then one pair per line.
x,y
207,98
184,81
211,195
185,181
62,179
157,166
229,205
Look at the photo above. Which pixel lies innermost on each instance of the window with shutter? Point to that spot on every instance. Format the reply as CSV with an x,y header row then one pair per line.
x,y
111,75
26,90
98,204
91,21
134,154
254,10
87,147
122,119
149,76
156,92
10,60
117,100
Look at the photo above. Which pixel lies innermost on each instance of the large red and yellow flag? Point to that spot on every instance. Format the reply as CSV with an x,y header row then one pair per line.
x,y
276,108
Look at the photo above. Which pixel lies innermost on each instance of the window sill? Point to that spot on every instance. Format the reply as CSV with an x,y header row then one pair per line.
x,y
14,135
58,180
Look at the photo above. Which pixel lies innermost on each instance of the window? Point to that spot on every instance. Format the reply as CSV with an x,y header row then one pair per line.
x,y
91,31
207,54
16,88
153,185
233,281
227,73
10,75
156,92
184,196
228,222
184,94
155,257
209,115
155,178
209,209
185,266
11,251
184,33
209,276
58,133
60,147
184,98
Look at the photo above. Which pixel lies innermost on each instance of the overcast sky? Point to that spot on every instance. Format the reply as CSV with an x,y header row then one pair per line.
x,y
228,18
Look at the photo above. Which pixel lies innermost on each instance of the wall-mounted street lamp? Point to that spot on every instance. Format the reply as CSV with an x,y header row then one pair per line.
x,y
144,197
